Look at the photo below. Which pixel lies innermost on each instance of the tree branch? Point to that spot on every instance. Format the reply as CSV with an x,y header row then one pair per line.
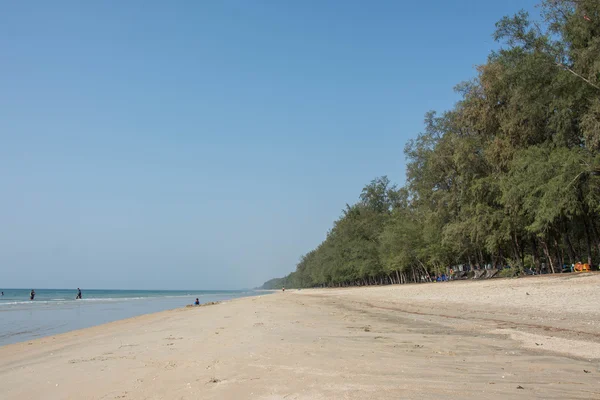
x,y
577,75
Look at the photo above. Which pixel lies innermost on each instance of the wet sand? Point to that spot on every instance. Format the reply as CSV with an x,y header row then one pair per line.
x,y
521,338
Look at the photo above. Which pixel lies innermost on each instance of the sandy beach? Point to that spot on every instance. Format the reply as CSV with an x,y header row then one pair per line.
x,y
535,337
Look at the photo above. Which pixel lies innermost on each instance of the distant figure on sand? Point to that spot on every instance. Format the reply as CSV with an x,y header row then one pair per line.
x,y
197,302
78,294
32,294
283,289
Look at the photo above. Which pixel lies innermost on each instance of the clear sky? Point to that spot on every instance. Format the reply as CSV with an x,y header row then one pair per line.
x,y
208,144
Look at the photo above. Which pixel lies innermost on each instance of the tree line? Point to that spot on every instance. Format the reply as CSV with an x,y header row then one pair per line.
x,y
509,176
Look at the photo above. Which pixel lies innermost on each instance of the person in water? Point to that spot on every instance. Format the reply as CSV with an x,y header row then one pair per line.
x,y
197,302
78,294
32,294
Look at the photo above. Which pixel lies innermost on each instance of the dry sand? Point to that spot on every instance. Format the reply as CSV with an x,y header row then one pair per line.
x,y
522,338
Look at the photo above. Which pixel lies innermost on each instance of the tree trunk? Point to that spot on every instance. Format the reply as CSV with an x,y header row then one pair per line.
x,y
536,257
520,251
586,225
423,268
559,256
596,236
588,239
515,246
570,249
547,253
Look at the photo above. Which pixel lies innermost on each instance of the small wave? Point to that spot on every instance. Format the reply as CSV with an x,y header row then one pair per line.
x,y
16,303
11,334
134,298
11,303
110,298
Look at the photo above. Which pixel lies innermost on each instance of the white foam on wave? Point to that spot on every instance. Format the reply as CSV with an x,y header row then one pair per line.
x,y
12,303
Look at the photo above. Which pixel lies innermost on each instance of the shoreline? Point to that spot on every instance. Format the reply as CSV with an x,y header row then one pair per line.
x,y
53,314
420,341
100,327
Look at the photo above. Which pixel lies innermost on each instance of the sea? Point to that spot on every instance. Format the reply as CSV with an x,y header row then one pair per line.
x,y
55,311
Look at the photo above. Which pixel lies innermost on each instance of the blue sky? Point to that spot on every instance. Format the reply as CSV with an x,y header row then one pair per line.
x,y
209,144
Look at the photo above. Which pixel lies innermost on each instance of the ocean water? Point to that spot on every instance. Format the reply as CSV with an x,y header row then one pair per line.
x,y
56,311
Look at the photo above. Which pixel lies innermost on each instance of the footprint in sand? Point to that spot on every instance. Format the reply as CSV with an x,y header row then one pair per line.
x,y
170,365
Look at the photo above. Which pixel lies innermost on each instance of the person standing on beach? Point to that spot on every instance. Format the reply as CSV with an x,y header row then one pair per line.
x,y
32,294
78,294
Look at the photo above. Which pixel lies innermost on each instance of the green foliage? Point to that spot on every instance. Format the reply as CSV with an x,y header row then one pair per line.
x,y
509,176
508,273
